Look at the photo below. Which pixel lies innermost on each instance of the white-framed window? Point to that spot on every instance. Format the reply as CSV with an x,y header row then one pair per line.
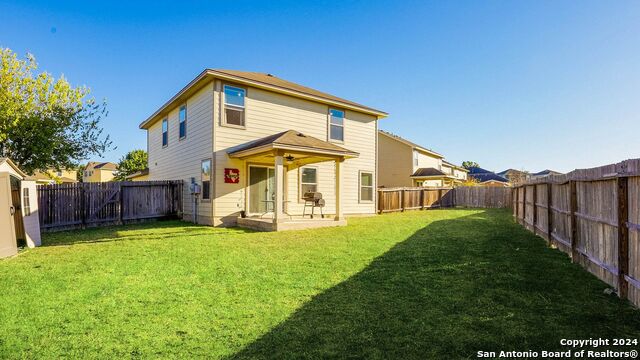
x,y
308,180
26,204
366,186
182,116
415,158
234,106
336,125
205,176
419,183
165,132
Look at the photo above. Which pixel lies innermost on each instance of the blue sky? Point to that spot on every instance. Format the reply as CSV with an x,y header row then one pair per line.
x,y
527,85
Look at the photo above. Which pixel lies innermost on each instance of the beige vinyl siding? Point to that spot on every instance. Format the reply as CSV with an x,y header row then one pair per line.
x,y
430,183
181,159
267,113
459,174
395,162
99,175
427,161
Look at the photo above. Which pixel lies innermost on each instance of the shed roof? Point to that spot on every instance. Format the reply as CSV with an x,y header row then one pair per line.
x,y
13,166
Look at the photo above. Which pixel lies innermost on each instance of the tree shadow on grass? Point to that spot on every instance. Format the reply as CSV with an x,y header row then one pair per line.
x,y
154,230
455,287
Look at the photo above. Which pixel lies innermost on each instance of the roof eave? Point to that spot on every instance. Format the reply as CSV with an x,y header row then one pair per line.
x,y
432,176
216,74
412,145
14,166
276,146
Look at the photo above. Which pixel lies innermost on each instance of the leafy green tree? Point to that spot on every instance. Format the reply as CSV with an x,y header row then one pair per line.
x,y
469,164
134,161
80,172
45,122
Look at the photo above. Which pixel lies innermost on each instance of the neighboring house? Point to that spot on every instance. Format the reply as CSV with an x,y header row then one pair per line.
x,y
142,175
255,143
515,176
53,176
99,171
544,173
458,172
402,163
487,178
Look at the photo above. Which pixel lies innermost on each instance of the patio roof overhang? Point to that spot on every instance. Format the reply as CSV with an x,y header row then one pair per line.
x,y
294,146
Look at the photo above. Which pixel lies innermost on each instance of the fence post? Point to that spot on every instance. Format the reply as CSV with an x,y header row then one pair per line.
x,y
573,205
83,206
402,200
524,206
549,212
623,237
120,202
535,209
517,189
453,196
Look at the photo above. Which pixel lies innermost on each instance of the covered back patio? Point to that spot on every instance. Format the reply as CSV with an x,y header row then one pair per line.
x,y
267,160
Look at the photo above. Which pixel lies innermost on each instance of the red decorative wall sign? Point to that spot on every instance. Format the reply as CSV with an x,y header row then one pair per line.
x,y
231,176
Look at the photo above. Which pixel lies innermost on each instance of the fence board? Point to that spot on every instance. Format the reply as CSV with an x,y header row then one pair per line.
x,y
593,215
68,206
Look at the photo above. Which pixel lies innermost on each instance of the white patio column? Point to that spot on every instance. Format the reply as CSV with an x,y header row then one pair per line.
x,y
339,188
278,211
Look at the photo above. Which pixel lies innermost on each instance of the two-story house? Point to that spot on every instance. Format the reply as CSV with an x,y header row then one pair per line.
x,y
402,163
255,144
96,171
458,172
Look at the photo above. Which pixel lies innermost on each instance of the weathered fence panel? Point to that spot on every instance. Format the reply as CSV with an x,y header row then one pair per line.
x,y
69,206
400,199
483,196
594,216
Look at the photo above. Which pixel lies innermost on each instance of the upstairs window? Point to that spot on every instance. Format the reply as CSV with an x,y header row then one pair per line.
x,y
234,105
415,158
206,179
366,186
336,125
308,180
183,121
165,132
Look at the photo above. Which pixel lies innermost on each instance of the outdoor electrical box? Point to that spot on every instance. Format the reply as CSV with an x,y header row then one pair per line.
x,y
194,188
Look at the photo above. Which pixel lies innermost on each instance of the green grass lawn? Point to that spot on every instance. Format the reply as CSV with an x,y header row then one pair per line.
x,y
421,284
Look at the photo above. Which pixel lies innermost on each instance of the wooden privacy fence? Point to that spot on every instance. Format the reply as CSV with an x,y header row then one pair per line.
x,y
410,198
594,216
483,196
68,206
